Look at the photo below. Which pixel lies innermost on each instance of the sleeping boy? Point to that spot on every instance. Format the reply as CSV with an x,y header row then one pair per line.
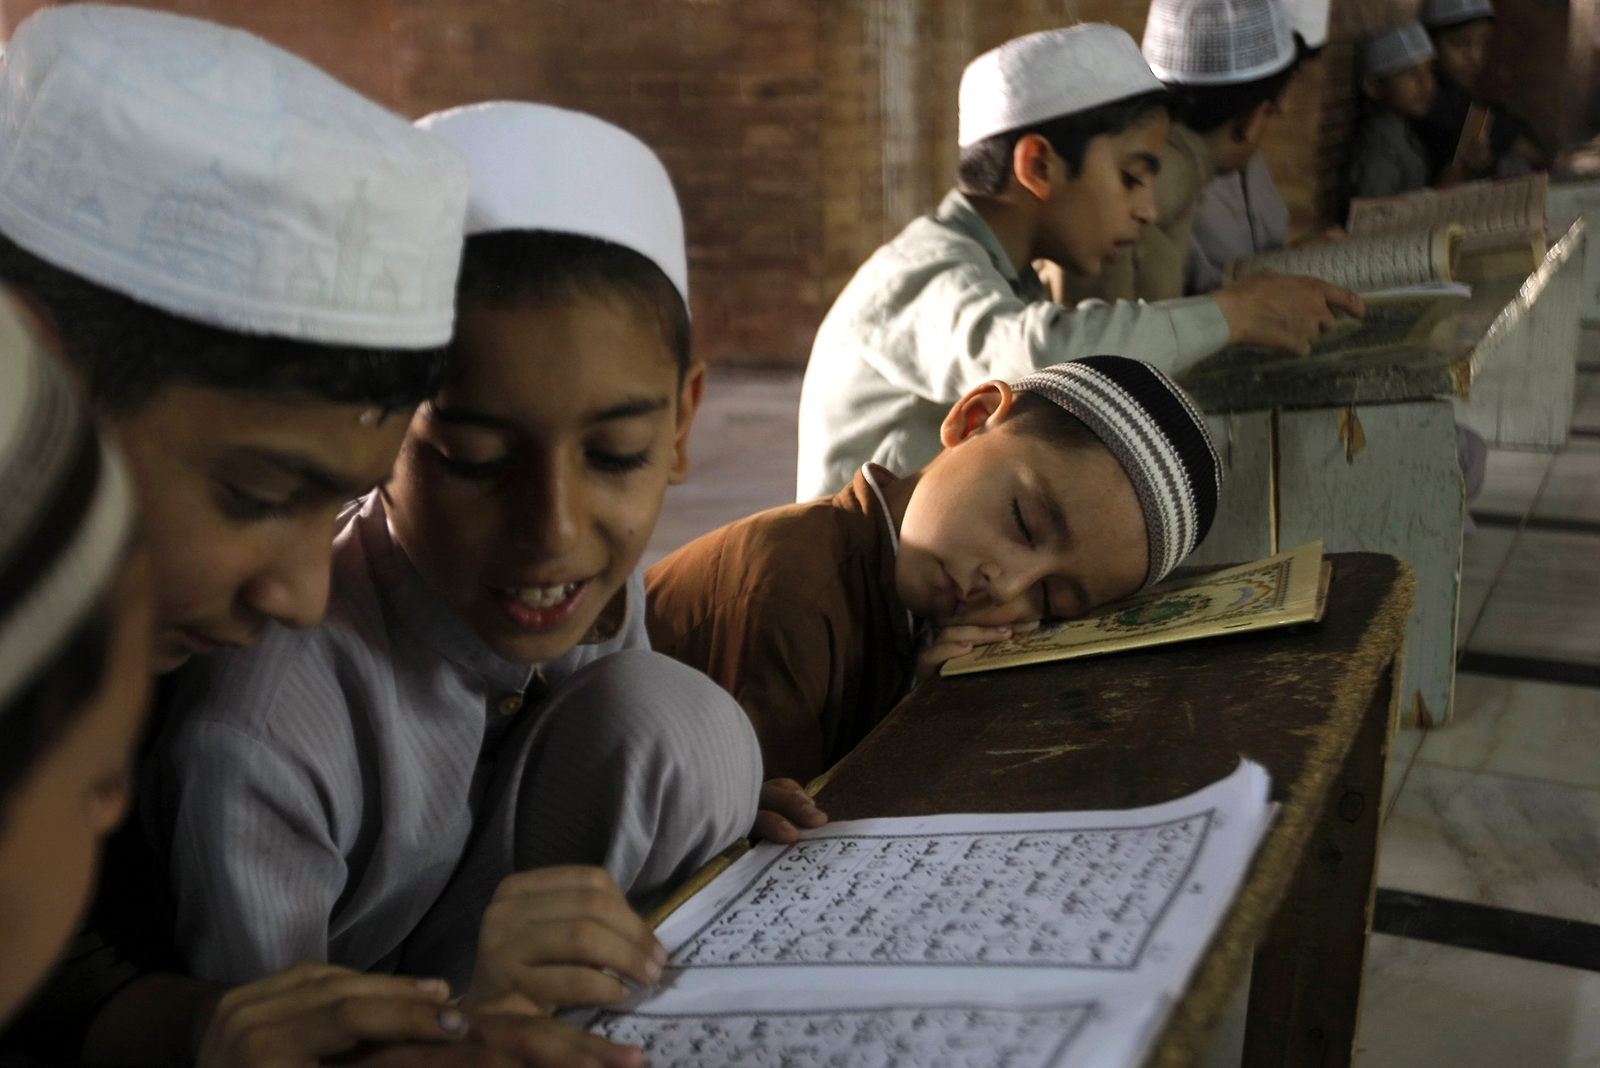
x,y
479,711
1075,486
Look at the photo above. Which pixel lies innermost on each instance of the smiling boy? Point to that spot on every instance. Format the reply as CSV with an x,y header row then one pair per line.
x,y
1397,78
1061,133
253,267
1073,487
474,762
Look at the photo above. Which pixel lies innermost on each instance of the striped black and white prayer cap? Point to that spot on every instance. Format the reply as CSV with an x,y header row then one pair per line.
x,y
1157,434
1442,14
68,508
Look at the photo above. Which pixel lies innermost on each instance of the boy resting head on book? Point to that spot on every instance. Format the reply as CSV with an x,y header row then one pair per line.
x,y
1397,79
1074,486
475,766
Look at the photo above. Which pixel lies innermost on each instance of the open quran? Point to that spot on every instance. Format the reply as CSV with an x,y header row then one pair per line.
x,y
1503,221
1034,940
1276,592
1370,263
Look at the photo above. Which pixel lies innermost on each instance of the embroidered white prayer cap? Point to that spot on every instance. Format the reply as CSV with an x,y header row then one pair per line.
x,y
1309,18
1442,14
1046,75
1395,49
68,510
537,167
206,172
1217,42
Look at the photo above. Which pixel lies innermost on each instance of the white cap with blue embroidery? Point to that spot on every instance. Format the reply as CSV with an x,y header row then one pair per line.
x,y
1046,75
212,175
1217,42
537,167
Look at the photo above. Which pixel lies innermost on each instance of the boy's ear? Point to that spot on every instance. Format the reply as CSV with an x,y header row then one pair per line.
x,y
1249,128
1030,165
689,397
985,407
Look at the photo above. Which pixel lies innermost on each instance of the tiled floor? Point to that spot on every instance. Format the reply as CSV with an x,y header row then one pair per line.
x,y
1501,808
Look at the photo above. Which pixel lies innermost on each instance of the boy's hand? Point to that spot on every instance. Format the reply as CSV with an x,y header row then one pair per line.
x,y
557,937
298,1017
785,809
956,641
1282,311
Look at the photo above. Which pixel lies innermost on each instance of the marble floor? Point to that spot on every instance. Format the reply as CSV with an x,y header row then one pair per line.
x,y
1501,809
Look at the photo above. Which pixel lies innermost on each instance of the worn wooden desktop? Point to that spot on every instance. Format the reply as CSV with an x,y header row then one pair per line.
x,y
1313,704
1361,451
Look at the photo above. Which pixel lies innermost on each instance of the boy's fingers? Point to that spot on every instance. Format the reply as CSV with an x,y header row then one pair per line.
x,y
594,945
1344,300
540,1042
561,877
529,919
341,1025
562,986
775,828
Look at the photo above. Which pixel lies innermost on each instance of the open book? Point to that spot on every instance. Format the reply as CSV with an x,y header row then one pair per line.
x,y
1374,262
1039,940
1276,592
1504,221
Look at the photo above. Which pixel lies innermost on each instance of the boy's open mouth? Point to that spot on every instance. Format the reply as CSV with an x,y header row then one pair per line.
x,y
542,608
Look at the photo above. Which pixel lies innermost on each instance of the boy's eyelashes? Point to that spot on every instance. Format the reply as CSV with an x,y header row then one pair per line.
x,y
1132,181
607,463
243,506
1022,524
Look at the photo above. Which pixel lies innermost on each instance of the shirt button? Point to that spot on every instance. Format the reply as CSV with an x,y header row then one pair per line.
x,y
510,704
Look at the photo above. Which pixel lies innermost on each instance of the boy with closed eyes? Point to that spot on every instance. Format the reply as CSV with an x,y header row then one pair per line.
x,y
1072,487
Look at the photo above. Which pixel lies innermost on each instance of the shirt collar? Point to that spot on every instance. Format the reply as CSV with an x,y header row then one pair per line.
x,y
957,213
420,612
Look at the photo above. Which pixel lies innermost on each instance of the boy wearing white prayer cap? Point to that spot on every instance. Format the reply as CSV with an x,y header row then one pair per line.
x,y
1242,212
480,710
1228,64
1387,156
255,268
1060,134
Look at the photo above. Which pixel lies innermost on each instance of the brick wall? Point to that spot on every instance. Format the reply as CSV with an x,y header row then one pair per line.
x,y
803,133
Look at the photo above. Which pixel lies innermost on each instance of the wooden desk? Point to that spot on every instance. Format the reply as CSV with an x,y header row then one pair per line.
x,y
1312,704
1361,452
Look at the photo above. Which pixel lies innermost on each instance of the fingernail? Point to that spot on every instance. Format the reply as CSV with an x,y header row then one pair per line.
x,y
452,1022
660,955
437,988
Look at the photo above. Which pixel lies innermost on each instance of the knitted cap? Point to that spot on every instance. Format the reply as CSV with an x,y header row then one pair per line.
x,y
212,175
1158,436
537,167
1217,42
1442,14
1046,75
1395,49
68,508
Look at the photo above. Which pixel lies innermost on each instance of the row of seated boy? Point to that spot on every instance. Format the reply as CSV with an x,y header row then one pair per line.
x,y
393,409
1417,78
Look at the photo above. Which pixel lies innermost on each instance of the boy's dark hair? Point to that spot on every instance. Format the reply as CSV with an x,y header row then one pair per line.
x,y
508,268
985,166
35,719
1047,421
130,351
1204,108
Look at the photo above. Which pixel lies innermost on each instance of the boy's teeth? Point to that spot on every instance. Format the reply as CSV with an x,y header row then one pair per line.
x,y
544,596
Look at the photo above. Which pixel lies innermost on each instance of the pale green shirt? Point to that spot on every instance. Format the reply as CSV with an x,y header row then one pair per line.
x,y
937,311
